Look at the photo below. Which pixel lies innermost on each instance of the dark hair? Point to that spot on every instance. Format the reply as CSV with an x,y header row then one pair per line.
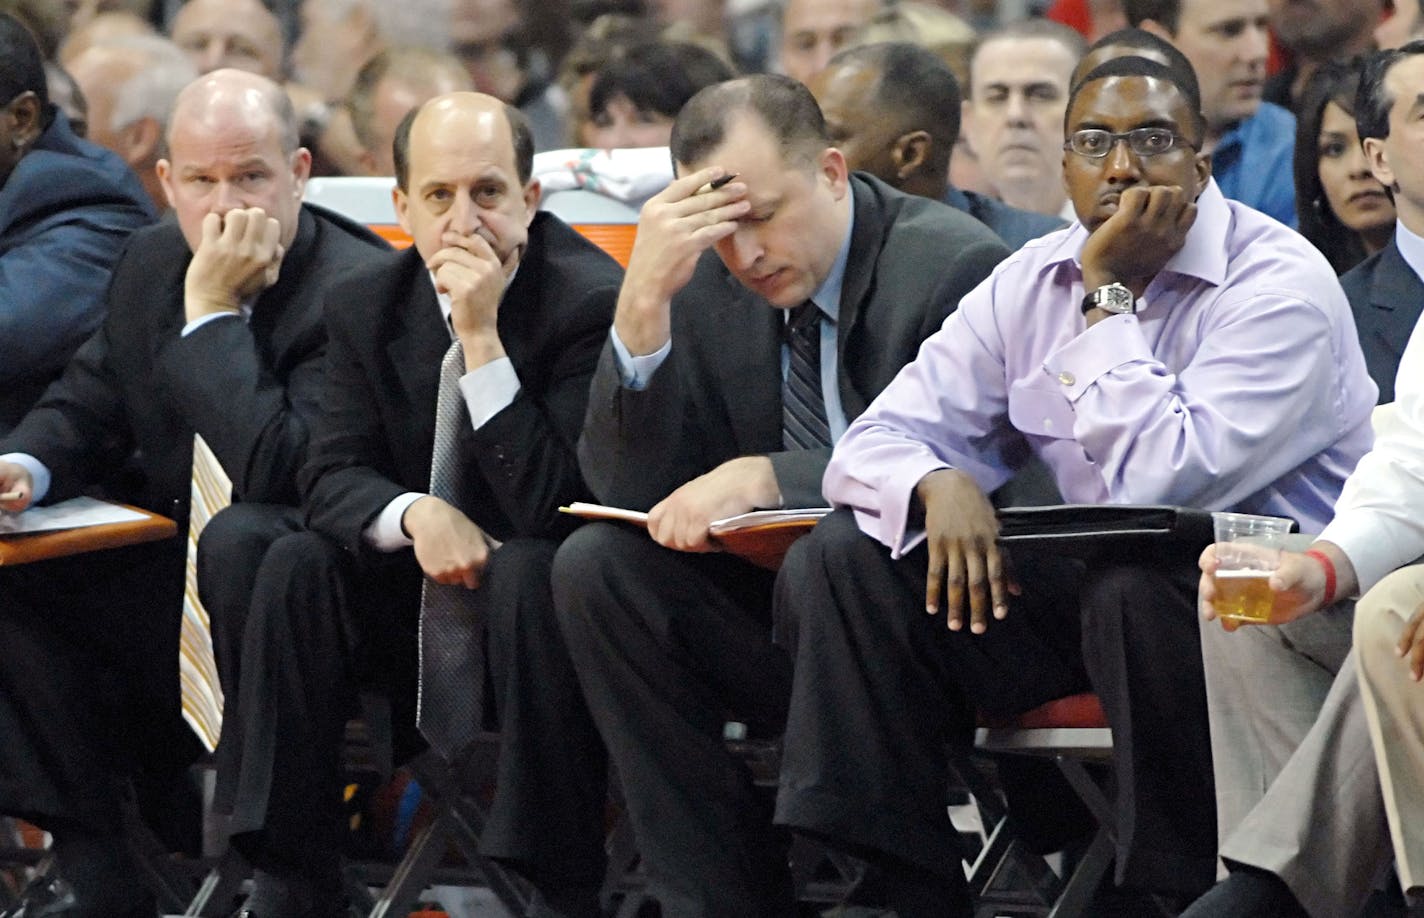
x,y
1372,103
520,133
1135,39
1027,29
1166,13
785,106
916,87
1337,83
1184,80
657,77
21,66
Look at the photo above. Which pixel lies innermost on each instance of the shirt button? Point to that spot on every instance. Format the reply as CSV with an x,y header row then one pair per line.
x,y
1067,378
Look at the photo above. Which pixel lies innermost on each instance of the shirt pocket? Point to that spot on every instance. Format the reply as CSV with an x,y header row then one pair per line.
x,y
1041,412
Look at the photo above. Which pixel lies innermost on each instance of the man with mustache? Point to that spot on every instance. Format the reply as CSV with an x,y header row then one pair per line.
x,y
1251,142
1147,354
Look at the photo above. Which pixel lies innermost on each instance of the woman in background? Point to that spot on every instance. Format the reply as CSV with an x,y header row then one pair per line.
x,y
635,98
1343,209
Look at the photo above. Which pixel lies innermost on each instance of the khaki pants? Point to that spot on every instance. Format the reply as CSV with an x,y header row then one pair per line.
x,y
1394,704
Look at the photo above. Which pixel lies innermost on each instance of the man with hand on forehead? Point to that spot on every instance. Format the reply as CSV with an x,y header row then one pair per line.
x,y
455,386
755,319
213,327
1171,347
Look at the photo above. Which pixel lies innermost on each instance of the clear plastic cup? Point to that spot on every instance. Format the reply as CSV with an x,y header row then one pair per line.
x,y
1248,550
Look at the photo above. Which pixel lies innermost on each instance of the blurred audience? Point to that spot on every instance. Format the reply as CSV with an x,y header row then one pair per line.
x,y
102,28
130,84
1314,32
1406,25
893,110
390,85
1344,210
66,210
1013,118
813,30
65,95
634,100
241,34
487,36
925,24
1250,141
338,38
603,41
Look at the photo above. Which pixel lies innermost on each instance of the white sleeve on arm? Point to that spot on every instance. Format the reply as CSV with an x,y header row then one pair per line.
x,y
1379,518
636,371
200,321
39,473
489,390
385,532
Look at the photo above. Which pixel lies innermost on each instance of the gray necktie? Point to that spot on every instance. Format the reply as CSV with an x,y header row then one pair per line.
x,y
449,670
803,402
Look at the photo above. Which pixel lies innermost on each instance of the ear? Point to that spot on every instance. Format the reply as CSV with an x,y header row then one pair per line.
x,y
1378,159
1203,170
966,124
165,178
909,152
1156,28
533,194
301,170
24,113
401,200
140,140
833,167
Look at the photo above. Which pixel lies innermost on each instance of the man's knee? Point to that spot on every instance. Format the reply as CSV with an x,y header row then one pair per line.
x,y
241,534
588,558
516,581
1380,616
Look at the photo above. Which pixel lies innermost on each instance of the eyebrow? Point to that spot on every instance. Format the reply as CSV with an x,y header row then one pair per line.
x,y
1167,123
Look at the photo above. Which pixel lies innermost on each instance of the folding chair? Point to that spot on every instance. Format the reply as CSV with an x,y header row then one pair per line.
x,y
1007,878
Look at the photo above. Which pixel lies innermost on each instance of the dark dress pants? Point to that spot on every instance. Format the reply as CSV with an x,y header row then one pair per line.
x,y
89,685
882,690
320,625
669,646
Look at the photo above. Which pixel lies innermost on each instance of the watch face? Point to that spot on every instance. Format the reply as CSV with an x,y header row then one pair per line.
x,y
1115,298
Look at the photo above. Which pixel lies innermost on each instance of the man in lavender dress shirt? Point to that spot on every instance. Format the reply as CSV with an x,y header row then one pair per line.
x,y
1172,347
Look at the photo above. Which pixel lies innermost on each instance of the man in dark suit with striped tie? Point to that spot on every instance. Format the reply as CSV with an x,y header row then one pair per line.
x,y
756,318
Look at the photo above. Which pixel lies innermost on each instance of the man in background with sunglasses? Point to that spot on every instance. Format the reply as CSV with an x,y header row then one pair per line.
x,y
1171,347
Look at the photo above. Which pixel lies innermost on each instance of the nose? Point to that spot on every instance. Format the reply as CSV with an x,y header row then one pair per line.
x,y
1255,44
211,57
225,198
1120,165
744,248
1358,163
1016,107
464,215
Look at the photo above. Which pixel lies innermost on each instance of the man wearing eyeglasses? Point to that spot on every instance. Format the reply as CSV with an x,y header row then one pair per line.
x,y
1171,347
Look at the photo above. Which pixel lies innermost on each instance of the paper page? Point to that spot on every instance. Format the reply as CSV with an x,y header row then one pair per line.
x,y
765,517
75,513
601,512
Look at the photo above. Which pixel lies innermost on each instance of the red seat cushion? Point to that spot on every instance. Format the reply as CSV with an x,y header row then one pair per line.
x,y
1082,710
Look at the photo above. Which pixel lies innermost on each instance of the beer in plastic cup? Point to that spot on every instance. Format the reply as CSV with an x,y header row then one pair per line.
x,y
1248,550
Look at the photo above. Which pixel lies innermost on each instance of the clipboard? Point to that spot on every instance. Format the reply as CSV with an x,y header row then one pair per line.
x,y
1087,530
24,548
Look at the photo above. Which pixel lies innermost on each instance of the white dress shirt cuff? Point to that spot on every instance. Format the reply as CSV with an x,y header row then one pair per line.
x,y
385,532
1369,543
200,321
637,371
489,390
39,473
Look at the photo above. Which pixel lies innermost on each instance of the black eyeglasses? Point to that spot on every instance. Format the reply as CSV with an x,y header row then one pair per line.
x,y
1096,143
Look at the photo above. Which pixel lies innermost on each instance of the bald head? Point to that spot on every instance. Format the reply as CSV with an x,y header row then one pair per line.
x,y
241,34
476,116
464,176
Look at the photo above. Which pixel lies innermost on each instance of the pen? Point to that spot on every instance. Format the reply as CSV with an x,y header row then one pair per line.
x,y
716,183
10,495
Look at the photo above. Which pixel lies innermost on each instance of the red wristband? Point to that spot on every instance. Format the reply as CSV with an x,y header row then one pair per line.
x,y
1329,567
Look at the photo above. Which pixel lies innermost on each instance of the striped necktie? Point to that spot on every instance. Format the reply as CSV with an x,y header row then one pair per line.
x,y
445,710
201,692
803,401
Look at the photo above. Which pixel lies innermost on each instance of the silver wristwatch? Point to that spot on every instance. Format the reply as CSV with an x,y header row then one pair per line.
x,y
1113,298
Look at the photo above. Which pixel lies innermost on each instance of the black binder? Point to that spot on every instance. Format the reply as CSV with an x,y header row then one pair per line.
x,y
1085,530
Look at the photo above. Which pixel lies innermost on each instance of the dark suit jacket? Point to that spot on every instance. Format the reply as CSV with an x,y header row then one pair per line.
x,y
138,388
718,395
65,213
1387,298
1011,224
375,437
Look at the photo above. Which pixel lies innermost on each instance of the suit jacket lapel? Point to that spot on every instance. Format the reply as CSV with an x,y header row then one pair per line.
x,y
867,237
416,348
1394,282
